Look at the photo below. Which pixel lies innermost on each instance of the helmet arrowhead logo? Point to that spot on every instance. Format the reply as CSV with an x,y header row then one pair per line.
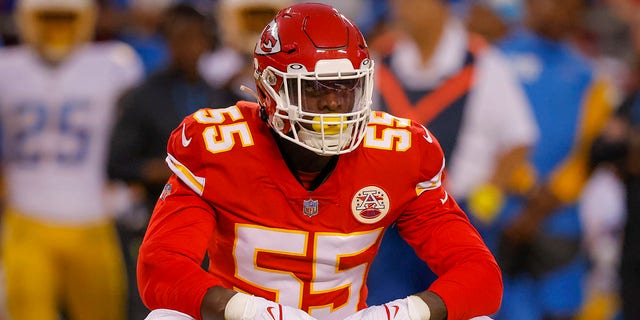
x,y
269,40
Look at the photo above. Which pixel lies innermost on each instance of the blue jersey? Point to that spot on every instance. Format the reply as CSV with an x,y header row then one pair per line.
x,y
562,89
570,107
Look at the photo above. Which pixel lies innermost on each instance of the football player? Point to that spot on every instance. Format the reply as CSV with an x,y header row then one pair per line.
x,y
57,96
290,197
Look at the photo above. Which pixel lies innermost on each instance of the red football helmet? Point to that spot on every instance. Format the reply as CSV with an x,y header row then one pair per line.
x,y
314,78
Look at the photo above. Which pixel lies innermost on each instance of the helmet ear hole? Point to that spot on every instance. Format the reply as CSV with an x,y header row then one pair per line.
x,y
289,48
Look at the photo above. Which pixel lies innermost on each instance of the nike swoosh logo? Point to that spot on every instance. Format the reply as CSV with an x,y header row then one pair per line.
x,y
388,312
395,312
426,135
446,197
270,312
273,316
185,141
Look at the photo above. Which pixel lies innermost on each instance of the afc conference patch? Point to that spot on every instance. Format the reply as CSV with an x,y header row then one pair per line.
x,y
310,207
370,204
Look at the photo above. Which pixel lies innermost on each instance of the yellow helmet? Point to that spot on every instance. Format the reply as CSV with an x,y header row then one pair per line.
x,y
55,27
242,21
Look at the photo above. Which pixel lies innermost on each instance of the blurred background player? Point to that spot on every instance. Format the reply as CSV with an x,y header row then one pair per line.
x,y
58,94
462,89
493,19
139,27
147,115
602,33
538,236
618,146
240,23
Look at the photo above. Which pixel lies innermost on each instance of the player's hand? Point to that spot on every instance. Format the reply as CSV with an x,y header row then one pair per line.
x,y
409,308
166,314
246,307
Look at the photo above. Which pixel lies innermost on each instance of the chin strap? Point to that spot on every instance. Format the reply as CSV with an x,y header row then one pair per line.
x,y
167,314
249,91
263,113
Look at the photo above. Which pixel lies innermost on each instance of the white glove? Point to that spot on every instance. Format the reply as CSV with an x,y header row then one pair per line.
x,y
409,308
246,307
166,314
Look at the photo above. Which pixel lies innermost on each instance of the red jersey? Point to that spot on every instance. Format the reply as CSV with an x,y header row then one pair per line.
x,y
233,196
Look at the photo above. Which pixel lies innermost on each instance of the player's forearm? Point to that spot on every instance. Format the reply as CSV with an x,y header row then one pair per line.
x,y
170,275
170,281
214,303
471,289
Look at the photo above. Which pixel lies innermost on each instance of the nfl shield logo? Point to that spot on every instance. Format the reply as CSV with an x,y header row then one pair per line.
x,y
165,191
310,207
